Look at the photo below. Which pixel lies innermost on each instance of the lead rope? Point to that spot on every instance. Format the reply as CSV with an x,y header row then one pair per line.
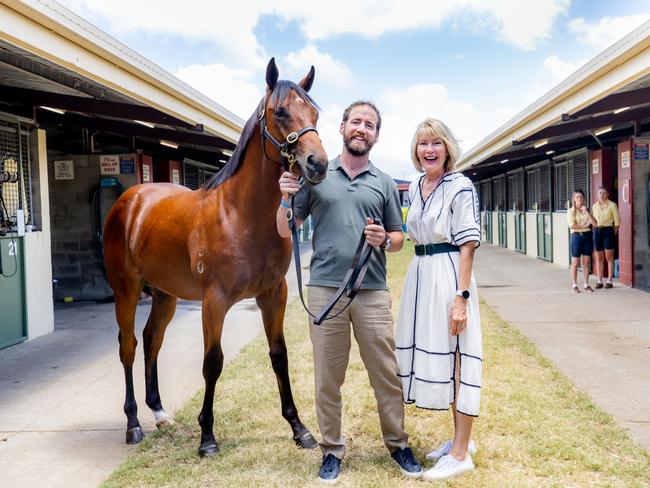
x,y
353,278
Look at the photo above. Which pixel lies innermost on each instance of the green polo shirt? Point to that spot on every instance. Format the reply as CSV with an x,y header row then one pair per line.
x,y
339,207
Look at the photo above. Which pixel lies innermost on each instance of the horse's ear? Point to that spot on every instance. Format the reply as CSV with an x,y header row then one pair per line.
x,y
308,80
272,74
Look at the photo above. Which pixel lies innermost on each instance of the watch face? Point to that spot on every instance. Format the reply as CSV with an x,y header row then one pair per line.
x,y
465,294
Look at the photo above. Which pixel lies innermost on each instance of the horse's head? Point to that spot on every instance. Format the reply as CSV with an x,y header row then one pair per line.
x,y
288,121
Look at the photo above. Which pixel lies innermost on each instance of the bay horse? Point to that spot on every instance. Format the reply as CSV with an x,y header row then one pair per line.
x,y
218,244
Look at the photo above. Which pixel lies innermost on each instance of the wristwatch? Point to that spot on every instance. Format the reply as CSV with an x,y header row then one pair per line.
x,y
387,243
463,293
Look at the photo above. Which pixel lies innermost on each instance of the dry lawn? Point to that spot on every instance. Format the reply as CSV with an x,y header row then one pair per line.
x,y
535,428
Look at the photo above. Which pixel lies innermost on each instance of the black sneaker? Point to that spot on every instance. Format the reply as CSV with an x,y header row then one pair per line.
x,y
329,470
407,462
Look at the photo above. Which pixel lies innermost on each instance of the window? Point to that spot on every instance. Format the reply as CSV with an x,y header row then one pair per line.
x,y
516,192
500,194
562,198
538,190
486,195
14,159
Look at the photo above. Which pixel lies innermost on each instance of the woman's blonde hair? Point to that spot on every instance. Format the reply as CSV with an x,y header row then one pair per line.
x,y
435,128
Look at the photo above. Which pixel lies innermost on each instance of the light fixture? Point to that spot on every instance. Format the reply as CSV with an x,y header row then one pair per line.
x,y
171,144
550,152
504,160
541,143
226,152
55,110
619,110
146,124
603,130
223,161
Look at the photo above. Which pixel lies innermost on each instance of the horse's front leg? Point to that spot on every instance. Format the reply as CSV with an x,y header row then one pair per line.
x,y
214,311
272,304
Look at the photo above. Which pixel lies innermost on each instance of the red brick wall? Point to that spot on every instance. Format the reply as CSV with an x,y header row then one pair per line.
x,y
625,207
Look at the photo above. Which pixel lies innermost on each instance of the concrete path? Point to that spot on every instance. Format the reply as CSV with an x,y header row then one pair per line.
x,y
61,396
601,340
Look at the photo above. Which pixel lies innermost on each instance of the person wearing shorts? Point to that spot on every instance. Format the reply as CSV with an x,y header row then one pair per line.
x,y
605,231
580,221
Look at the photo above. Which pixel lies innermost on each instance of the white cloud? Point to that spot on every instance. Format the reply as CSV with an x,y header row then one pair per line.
x,y
559,69
402,110
229,87
522,24
605,31
328,70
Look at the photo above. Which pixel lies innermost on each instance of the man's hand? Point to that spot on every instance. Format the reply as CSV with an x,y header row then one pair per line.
x,y
375,234
288,184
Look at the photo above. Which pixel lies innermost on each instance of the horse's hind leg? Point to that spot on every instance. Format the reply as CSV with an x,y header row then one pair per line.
x,y
272,303
127,293
162,311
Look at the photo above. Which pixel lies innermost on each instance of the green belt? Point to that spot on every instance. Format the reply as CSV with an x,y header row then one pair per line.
x,y
431,249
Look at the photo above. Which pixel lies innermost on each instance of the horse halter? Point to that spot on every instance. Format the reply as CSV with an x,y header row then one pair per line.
x,y
288,159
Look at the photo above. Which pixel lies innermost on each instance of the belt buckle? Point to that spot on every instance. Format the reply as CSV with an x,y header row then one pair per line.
x,y
419,250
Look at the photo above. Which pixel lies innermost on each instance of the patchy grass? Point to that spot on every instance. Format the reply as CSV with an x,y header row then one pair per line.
x,y
535,428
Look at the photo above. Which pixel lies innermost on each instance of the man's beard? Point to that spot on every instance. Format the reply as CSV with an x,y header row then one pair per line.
x,y
355,151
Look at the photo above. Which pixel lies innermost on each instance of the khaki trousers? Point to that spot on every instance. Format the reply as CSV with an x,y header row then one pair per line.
x,y
372,323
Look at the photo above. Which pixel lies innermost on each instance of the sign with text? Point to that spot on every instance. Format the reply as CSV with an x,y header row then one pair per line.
x,y
176,177
127,166
109,164
595,166
625,159
146,173
641,151
64,170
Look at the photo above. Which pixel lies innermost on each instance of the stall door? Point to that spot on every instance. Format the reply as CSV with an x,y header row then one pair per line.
x,y
12,307
545,236
520,231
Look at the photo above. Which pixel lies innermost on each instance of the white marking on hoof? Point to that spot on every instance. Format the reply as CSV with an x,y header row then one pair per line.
x,y
162,419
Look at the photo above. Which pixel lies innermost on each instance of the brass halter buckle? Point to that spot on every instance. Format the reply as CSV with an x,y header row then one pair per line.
x,y
293,137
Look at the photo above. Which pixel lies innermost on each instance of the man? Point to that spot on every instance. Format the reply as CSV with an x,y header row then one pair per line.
x,y
342,207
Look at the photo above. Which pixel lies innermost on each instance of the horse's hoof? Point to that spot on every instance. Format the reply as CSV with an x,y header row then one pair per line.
x,y
163,419
305,440
208,450
134,435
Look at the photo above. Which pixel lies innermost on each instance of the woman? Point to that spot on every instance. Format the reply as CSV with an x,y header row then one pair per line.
x,y
580,221
439,329
607,222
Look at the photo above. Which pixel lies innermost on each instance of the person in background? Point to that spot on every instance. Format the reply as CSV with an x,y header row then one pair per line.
x,y
605,231
580,221
439,347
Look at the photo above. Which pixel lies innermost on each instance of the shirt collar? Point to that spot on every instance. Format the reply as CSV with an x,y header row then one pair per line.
x,y
335,164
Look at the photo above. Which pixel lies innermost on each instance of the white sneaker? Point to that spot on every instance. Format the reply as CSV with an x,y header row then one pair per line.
x,y
445,448
447,467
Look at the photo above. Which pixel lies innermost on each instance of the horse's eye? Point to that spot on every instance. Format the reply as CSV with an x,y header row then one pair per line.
x,y
281,112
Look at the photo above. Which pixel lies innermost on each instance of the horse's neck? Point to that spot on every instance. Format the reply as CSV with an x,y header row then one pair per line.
x,y
256,183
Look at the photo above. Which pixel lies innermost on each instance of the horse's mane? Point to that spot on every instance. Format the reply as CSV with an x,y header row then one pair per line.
x,y
278,95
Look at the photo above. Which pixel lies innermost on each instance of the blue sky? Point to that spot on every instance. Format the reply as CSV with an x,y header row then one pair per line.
x,y
471,63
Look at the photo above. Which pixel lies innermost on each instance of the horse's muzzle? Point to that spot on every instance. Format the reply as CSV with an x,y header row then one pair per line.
x,y
314,171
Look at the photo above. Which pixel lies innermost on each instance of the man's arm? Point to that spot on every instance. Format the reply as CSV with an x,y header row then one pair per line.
x,y
288,186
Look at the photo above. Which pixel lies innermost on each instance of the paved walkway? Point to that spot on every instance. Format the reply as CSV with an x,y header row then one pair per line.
x,y
601,340
61,395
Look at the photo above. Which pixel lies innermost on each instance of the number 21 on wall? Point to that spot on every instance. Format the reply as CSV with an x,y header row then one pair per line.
x,y
12,249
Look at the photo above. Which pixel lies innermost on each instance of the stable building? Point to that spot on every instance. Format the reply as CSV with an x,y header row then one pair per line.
x,y
83,117
592,129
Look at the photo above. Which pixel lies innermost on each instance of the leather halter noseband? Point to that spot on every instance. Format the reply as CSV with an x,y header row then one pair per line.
x,y
288,159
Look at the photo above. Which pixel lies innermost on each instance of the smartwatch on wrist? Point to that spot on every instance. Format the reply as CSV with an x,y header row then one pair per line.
x,y
387,243
463,293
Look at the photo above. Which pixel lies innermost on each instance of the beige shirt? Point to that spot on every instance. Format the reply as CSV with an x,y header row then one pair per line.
x,y
577,219
606,215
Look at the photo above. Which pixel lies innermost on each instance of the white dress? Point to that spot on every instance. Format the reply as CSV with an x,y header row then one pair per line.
x,y
425,348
